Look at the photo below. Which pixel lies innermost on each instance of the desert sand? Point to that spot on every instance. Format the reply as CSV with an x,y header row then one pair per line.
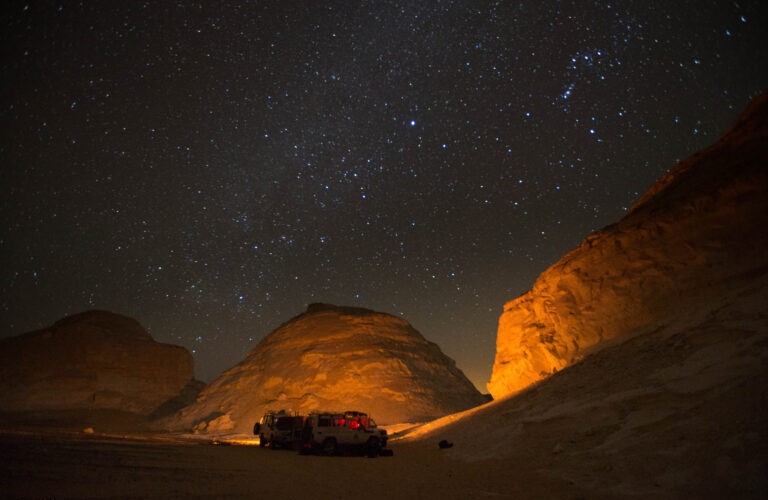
x,y
48,466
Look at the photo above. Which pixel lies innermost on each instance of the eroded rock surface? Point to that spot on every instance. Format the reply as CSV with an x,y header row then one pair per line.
x,y
96,360
335,358
696,238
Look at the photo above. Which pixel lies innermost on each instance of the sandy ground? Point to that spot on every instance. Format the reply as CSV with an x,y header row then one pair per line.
x,y
80,466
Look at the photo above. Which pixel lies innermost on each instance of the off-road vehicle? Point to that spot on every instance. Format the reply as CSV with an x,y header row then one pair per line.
x,y
279,429
329,433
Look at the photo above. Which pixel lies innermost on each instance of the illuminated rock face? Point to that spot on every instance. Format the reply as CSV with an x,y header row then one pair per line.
x,y
94,360
335,359
694,241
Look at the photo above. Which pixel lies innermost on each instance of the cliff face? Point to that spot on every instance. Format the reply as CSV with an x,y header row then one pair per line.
x,y
694,240
95,360
335,358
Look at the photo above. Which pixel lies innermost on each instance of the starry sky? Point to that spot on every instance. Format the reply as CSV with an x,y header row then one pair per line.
x,y
210,168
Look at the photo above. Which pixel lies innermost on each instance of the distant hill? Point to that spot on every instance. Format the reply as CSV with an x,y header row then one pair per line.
x,y
93,361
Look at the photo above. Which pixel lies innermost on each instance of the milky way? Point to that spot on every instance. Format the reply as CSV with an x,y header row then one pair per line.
x,y
210,168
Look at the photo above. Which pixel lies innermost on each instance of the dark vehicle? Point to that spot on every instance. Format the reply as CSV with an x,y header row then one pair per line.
x,y
279,429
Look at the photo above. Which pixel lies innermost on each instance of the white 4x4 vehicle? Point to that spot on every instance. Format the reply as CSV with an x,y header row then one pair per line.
x,y
279,429
328,433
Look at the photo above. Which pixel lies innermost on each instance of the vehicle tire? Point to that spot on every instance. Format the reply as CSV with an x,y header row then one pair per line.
x,y
329,447
372,448
262,440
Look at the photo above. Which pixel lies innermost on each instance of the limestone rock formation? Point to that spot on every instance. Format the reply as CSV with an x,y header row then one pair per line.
x,y
95,360
680,411
337,359
693,240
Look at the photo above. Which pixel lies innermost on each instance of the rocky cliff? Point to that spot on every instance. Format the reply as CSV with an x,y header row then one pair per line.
x,y
693,241
337,359
95,360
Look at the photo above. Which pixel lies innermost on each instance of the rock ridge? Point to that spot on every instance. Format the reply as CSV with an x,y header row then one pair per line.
x,y
96,360
687,244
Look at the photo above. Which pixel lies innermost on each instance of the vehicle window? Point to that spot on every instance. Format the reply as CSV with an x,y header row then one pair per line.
x,y
284,423
324,422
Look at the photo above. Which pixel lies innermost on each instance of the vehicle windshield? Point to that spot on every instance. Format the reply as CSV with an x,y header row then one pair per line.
x,y
284,423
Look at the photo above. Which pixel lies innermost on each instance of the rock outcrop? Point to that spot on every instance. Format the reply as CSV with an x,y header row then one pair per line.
x,y
678,412
95,360
692,241
337,359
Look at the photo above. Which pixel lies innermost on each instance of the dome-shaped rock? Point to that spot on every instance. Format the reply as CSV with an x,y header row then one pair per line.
x,y
335,358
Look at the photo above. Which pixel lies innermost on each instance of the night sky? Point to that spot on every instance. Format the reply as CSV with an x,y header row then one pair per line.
x,y
210,168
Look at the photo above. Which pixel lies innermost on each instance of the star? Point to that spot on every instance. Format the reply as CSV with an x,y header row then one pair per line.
x,y
213,177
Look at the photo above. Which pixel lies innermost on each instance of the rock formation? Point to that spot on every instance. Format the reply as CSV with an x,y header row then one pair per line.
x,y
680,411
94,360
691,242
335,358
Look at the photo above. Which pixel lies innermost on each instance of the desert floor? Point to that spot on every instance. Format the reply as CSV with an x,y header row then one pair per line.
x,y
65,466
